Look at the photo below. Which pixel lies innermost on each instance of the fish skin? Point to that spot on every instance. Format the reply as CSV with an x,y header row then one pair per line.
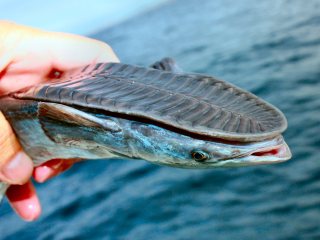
x,y
47,138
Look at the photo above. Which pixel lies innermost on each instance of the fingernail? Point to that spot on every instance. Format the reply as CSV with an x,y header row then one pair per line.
x,y
42,173
18,170
47,170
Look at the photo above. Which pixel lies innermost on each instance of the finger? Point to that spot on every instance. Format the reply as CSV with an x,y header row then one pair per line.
x,y
69,51
51,169
23,199
15,166
17,170
30,55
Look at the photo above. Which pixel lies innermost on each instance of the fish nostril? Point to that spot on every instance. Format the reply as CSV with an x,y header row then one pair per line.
x,y
236,152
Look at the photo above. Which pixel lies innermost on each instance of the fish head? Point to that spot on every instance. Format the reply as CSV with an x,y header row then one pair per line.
x,y
236,154
169,148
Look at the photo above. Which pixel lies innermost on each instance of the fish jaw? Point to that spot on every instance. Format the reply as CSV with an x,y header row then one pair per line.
x,y
268,155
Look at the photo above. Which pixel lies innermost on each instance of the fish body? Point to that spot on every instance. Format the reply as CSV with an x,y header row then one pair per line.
x,y
83,116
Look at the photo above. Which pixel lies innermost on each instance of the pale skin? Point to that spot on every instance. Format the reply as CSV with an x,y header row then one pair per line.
x,y
29,56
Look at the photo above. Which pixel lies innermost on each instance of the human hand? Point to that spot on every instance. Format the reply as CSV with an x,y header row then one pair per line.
x,y
29,56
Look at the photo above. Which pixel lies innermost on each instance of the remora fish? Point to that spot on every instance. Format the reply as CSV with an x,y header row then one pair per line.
x,y
159,114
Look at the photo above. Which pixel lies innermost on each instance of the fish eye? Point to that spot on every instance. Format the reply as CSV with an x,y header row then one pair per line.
x,y
199,155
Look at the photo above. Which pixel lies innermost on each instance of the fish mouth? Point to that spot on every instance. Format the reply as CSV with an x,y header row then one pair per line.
x,y
266,152
280,151
265,155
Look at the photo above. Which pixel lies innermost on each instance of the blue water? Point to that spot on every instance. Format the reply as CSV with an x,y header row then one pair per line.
x,y
271,48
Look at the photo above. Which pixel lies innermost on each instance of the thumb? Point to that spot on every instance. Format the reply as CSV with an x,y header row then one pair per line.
x,y
15,166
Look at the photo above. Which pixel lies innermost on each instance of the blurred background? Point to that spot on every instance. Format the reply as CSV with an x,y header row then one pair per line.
x,y
74,16
271,48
